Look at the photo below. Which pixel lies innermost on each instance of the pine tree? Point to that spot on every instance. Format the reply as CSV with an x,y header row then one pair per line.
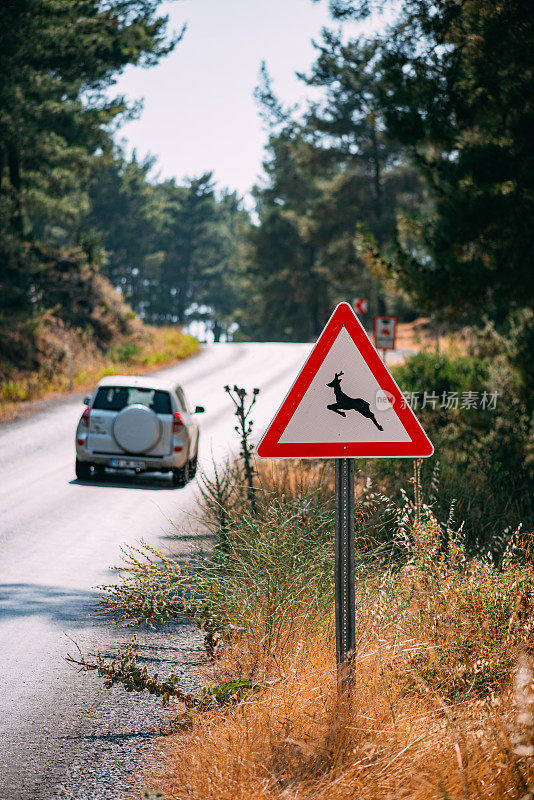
x,y
57,58
329,171
456,91
191,245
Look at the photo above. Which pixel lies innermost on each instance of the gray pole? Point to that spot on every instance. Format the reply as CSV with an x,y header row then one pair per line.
x,y
344,546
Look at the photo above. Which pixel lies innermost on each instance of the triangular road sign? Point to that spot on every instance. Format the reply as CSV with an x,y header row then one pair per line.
x,y
344,403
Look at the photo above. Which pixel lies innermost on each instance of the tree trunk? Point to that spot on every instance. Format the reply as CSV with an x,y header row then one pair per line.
x,y
3,162
377,175
13,162
217,331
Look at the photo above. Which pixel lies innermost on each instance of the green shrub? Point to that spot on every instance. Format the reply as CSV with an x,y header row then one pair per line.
x,y
483,454
441,373
13,391
472,618
271,563
125,352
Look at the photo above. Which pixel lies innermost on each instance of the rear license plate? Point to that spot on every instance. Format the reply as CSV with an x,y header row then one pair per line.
x,y
126,463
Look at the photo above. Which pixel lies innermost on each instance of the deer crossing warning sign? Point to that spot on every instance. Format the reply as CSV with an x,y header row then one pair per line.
x,y
344,403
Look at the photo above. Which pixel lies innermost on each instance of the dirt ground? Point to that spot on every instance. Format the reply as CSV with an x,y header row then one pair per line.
x,y
421,334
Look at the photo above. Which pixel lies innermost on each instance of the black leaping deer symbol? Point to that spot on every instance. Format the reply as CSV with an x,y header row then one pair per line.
x,y
345,403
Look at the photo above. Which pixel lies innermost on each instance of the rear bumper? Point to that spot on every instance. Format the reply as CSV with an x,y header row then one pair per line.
x,y
140,462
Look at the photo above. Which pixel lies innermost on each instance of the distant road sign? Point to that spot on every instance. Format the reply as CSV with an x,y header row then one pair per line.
x,y
385,332
344,403
360,305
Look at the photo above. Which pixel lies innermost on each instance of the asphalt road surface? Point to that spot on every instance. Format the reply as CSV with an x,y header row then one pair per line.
x,y
60,536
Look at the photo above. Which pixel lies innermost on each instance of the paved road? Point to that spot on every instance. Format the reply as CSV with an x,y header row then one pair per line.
x,y
58,538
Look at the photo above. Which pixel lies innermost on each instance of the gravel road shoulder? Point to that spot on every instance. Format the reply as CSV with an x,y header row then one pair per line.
x,y
103,737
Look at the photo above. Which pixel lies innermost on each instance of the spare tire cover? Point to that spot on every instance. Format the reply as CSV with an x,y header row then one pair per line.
x,y
136,429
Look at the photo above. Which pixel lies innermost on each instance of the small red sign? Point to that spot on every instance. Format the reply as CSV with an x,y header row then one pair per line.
x,y
344,403
385,332
360,305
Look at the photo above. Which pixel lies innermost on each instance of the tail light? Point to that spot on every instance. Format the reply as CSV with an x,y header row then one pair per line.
x,y
85,417
177,422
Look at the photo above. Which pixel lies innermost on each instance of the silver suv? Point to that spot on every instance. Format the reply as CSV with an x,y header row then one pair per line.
x,y
138,423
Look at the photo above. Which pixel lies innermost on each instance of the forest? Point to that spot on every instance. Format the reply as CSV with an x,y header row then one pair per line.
x,y
410,181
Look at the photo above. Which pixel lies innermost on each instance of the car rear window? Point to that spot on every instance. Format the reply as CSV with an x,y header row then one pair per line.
x,y
115,398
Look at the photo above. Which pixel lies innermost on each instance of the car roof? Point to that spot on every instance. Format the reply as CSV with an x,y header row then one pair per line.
x,y
139,381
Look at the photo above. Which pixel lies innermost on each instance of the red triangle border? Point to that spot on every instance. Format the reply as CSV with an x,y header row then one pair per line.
x,y
420,445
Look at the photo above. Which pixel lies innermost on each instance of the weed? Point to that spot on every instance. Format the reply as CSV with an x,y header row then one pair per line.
x,y
123,669
298,738
427,711
243,410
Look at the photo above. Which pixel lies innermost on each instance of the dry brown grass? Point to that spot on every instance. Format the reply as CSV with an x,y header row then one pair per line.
x,y
384,737
438,701
421,335
296,478
393,732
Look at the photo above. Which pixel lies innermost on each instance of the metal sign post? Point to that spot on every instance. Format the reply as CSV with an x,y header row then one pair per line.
x,y
344,547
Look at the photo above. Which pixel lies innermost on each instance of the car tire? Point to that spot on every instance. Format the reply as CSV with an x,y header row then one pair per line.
x,y
180,477
83,470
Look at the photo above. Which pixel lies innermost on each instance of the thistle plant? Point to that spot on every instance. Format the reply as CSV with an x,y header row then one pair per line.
x,y
243,408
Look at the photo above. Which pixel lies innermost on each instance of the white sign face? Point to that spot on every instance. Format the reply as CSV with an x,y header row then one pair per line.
x,y
315,421
385,329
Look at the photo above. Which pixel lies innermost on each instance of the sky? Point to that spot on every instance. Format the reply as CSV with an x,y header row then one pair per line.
x,y
199,112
